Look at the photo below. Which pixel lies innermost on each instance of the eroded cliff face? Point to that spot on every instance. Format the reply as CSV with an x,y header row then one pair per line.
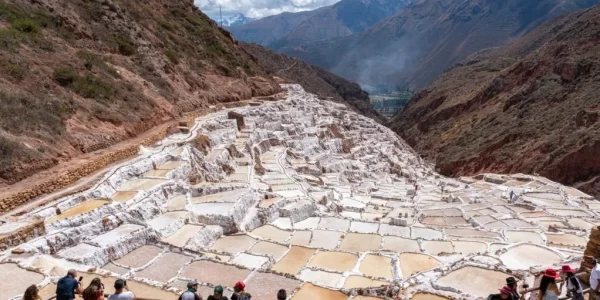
x,y
78,76
530,107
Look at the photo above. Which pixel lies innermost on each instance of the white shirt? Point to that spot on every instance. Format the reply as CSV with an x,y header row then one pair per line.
x,y
122,296
571,286
594,276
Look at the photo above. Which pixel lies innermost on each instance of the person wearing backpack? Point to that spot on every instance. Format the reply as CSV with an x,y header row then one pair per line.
x,y
574,289
239,292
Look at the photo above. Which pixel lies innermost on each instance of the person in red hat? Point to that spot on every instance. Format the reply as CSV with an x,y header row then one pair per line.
x,y
574,289
548,288
239,292
505,294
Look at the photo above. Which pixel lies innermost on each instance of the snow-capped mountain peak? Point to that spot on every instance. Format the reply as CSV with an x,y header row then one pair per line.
x,y
236,20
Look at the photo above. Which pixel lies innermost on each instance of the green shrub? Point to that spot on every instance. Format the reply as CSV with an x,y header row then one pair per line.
x,y
15,71
25,113
124,45
9,39
165,24
92,87
91,60
64,76
26,25
172,56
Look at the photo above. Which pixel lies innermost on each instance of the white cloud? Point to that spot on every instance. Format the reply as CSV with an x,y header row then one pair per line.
x,y
259,8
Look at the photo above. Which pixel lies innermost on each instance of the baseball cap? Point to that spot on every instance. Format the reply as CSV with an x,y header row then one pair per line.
x,y
191,284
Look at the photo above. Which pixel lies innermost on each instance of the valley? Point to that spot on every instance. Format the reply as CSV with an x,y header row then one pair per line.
x,y
301,194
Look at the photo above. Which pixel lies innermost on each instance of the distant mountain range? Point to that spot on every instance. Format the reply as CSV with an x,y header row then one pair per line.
x,y
415,45
236,20
341,19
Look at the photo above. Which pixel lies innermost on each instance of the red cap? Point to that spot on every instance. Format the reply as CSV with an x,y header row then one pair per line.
x,y
551,273
240,285
567,269
506,290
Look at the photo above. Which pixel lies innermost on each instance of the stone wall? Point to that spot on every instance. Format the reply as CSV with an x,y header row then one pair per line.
x,y
23,234
73,175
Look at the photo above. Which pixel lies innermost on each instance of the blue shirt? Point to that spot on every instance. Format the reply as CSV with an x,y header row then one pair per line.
x,y
65,288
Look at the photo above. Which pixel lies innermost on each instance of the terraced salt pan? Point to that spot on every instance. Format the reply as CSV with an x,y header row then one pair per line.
x,y
167,219
177,203
123,196
139,256
115,235
229,196
398,244
221,209
141,184
294,260
301,238
481,282
469,247
524,237
422,296
411,263
313,292
377,266
11,227
265,248
15,280
157,173
437,247
214,273
165,267
233,243
354,281
250,261
566,239
334,224
183,235
568,212
265,285
170,165
334,261
361,242
321,277
272,233
79,209
325,239
425,233
386,229
524,256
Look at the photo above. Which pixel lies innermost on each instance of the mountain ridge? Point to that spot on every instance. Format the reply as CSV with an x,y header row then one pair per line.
x,y
528,107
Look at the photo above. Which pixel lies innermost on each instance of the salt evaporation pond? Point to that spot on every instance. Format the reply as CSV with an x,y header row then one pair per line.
x,y
307,196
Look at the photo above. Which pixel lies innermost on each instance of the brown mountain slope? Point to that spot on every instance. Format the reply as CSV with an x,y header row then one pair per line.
x,y
314,79
414,46
528,107
78,76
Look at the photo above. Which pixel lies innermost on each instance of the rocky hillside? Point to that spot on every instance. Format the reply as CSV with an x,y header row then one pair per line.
x,y
413,47
341,19
314,79
78,76
531,106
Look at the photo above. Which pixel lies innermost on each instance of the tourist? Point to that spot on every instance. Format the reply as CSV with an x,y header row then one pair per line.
x,y
574,289
122,292
31,293
95,291
191,293
548,288
281,294
511,282
239,292
505,293
595,281
218,294
67,287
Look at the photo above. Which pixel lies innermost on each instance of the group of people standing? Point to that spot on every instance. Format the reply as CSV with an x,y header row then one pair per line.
x,y
68,286
549,288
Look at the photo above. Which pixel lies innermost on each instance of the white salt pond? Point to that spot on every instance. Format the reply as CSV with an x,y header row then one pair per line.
x,y
308,196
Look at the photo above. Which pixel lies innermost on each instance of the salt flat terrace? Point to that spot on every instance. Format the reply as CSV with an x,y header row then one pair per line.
x,y
305,195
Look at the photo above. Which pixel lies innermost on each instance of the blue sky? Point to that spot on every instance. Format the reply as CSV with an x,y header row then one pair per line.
x,y
259,8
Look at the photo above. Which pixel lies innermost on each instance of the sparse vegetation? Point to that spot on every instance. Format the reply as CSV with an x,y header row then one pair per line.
x,y
92,60
64,76
23,112
125,46
91,87
172,56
